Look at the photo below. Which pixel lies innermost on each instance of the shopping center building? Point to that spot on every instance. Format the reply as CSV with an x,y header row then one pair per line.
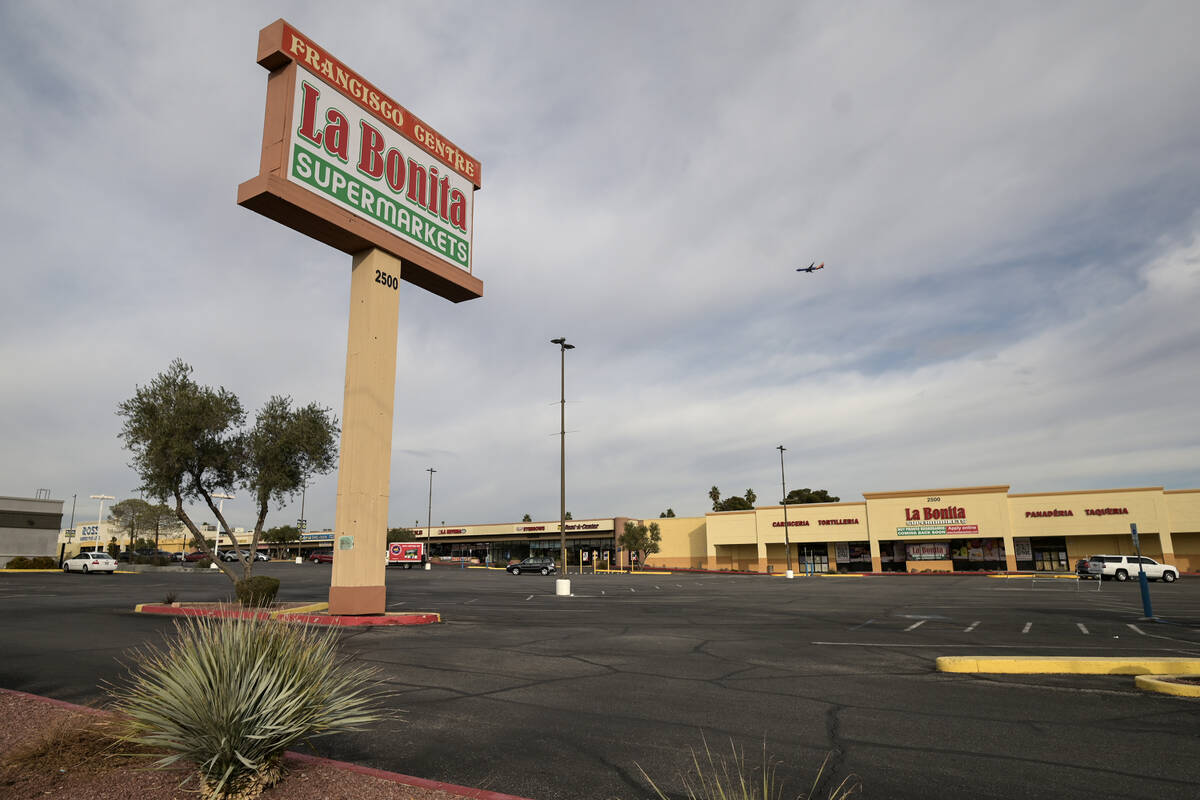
x,y
961,529
955,529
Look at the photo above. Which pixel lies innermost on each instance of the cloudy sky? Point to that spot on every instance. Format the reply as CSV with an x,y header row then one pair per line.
x,y
1006,197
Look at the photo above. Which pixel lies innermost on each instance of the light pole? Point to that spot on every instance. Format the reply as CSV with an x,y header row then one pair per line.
x,y
787,542
563,584
100,514
221,513
429,517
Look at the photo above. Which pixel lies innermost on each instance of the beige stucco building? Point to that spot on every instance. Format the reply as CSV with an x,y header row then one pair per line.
x,y
958,529
971,528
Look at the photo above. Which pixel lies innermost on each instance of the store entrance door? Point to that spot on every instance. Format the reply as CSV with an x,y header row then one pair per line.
x,y
813,558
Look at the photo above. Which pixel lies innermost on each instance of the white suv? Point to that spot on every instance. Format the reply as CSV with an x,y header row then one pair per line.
x,y
1125,567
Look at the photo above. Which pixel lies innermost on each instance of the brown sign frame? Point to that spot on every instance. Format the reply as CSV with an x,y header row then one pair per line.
x,y
270,193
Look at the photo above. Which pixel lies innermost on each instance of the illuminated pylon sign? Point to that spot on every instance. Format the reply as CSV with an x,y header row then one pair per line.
x,y
344,163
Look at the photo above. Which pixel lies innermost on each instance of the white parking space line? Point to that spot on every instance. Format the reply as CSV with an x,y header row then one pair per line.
x,y
658,587
915,625
472,600
398,603
865,624
1028,625
1135,628
632,589
972,626
1082,628
529,598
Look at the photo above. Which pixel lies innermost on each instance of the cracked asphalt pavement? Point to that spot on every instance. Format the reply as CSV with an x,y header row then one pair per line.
x,y
523,692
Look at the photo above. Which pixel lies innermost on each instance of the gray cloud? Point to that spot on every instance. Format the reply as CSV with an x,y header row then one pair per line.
x,y
1006,198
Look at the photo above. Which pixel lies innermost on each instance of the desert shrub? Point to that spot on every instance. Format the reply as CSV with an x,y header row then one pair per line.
x,y
258,591
230,696
203,563
716,777
37,562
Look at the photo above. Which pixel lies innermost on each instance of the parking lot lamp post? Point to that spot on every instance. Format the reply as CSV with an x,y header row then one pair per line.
x,y
100,514
221,508
787,543
563,584
429,510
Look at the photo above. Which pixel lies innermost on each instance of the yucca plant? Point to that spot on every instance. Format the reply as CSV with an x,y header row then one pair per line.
x,y
230,696
716,778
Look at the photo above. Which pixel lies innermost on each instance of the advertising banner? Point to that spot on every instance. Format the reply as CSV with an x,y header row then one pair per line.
x,y
843,552
1023,549
928,551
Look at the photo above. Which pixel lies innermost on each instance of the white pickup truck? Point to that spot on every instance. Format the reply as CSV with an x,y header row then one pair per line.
x,y
1125,567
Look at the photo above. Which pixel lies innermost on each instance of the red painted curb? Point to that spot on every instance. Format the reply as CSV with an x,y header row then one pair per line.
x,y
408,780
316,619
60,703
392,777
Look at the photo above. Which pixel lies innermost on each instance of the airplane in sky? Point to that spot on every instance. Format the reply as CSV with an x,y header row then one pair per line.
x,y
811,268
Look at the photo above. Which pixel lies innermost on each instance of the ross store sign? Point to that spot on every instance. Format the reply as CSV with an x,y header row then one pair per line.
x,y
345,164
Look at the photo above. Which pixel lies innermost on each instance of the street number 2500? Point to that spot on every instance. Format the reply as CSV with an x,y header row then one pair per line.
x,y
390,281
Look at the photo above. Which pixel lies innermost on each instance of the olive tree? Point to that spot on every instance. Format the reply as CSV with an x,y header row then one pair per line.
x,y
641,537
189,442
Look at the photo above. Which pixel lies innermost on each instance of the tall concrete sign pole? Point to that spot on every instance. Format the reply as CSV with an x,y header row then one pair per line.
x,y
365,468
344,163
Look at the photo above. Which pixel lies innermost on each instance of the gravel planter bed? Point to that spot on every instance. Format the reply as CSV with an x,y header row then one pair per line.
x,y
55,750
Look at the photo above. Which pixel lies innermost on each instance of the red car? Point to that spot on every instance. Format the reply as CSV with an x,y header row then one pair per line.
x,y
195,555
322,557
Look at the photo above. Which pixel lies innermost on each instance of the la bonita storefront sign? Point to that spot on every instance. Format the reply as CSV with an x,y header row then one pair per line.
x,y
929,521
344,163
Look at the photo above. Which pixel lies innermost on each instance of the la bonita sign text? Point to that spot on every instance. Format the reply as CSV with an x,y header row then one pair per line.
x,y
950,512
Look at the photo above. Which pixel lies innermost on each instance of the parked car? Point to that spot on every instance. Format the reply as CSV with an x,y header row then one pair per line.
x,y
1081,568
178,556
195,555
232,555
150,552
90,561
1125,567
533,564
321,557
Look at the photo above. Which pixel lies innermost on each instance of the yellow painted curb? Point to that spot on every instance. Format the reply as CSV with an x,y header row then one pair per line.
x,y
1056,665
17,571
138,608
1150,683
839,575
627,572
308,609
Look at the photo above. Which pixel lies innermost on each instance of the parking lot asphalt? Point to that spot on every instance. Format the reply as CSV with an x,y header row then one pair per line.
x,y
523,692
